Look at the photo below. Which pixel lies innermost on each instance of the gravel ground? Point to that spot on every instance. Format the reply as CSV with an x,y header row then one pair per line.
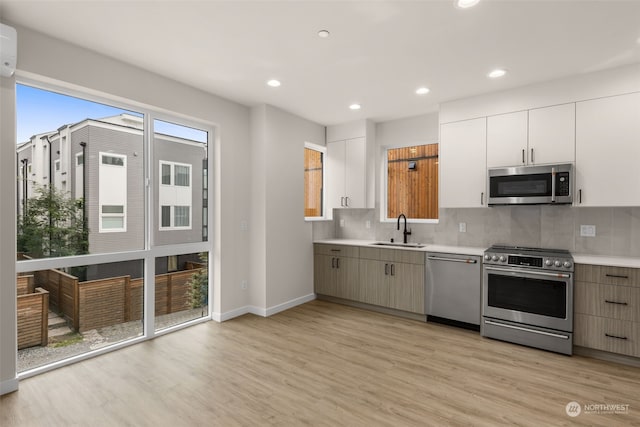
x,y
94,339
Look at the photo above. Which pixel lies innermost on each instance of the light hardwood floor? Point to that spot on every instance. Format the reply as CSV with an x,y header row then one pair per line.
x,y
328,365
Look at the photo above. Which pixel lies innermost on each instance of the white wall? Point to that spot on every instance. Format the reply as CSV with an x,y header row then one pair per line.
x,y
284,241
46,59
408,131
571,89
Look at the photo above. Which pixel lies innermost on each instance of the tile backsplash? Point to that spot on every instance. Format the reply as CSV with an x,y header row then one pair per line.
x,y
617,229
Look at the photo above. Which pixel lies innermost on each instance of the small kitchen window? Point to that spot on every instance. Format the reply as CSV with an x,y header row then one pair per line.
x,y
314,200
411,183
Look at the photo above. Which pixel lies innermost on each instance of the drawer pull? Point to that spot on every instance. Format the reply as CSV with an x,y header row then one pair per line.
x,y
615,302
336,250
615,336
617,276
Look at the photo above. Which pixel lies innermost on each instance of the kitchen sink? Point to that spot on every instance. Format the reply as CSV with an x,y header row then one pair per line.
x,y
399,245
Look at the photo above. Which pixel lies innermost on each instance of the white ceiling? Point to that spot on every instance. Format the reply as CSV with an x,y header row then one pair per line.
x,y
379,52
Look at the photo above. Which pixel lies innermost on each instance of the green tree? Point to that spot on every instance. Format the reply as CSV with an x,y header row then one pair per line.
x,y
52,225
198,291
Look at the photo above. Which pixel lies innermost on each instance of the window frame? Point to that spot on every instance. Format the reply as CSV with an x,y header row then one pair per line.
x,y
151,250
322,149
384,182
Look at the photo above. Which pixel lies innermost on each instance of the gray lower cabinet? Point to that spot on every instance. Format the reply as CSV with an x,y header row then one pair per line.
x,y
335,271
390,278
607,309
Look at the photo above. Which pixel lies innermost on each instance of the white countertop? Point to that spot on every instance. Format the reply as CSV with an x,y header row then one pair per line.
x,y
612,261
463,250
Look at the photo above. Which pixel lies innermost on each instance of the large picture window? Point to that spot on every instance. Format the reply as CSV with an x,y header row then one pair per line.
x,y
82,196
412,182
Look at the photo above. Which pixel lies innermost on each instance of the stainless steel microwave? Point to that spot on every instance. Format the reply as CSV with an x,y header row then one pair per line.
x,y
530,185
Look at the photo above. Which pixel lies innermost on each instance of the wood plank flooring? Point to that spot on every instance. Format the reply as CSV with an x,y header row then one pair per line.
x,y
324,364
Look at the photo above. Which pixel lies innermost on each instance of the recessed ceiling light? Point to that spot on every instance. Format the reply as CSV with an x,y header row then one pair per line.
x,y
422,90
323,34
498,72
274,83
355,106
465,4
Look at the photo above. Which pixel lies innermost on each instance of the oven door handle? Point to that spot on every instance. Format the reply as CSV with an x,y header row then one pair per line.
x,y
531,273
520,328
463,260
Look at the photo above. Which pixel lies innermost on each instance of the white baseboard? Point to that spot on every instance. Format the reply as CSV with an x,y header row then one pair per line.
x,y
8,386
289,304
263,312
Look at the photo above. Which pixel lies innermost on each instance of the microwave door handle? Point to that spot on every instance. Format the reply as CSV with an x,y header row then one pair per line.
x,y
553,185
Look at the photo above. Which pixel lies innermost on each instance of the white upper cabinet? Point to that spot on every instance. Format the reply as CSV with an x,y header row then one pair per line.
x,y
463,170
507,140
535,137
608,151
552,134
347,173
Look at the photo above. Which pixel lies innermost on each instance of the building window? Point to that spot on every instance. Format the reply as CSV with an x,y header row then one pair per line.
x,y
112,217
112,160
412,182
166,216
175,195
112,192
166,174
182,175
313,181
181,216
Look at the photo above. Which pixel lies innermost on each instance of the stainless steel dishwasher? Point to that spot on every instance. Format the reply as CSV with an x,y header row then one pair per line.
x,y
453,288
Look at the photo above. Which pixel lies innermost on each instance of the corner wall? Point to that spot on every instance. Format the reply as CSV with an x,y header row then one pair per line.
x,y
283,243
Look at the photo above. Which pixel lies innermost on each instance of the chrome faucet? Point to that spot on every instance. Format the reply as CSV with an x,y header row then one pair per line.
x,y
405,232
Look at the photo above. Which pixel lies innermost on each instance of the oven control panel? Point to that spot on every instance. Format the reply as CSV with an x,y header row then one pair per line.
x,y
555,260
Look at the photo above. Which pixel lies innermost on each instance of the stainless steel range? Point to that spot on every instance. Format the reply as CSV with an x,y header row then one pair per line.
x,y
527,297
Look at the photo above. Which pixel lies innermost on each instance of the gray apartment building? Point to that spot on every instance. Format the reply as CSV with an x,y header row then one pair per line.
x,y
102,161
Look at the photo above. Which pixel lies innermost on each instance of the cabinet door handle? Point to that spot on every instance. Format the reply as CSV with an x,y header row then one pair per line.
x,y
482,199
346,201
532,161
617,276
337,262
333,263
615,302
342,201
393,269
386,269
523,156
615,336
580,196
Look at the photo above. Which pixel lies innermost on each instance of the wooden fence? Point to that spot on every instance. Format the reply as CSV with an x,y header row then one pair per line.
x,y
25,284
63,292
33,319
172,292
111,301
